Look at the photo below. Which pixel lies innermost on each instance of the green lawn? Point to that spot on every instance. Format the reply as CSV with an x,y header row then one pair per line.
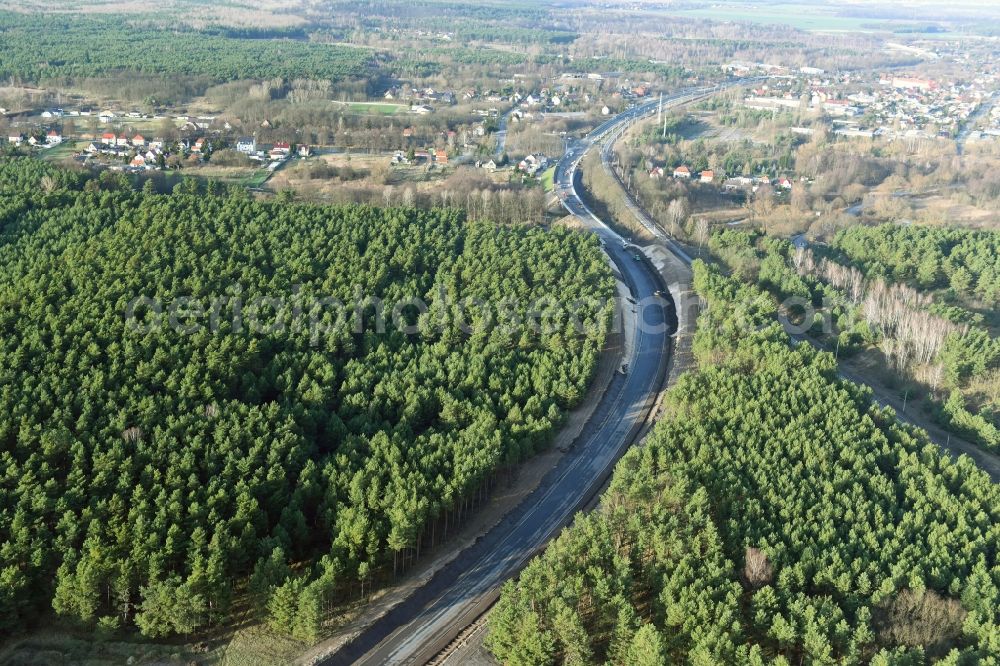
x,y
256,179
379,108
548,178
63,150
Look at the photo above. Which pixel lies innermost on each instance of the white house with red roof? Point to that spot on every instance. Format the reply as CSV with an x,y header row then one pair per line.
x,y
682,172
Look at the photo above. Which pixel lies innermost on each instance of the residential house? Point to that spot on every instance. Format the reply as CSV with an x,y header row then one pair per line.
x,y
490,166
246,145
304,150
282,146
784,183
122,140
441,156
108,138
532,165
139,141
407,132
656,172
199,145
15,139
138,161
53,137
706,176
682,172
737,183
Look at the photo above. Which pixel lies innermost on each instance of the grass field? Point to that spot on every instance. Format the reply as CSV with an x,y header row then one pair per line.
x,y
547,179
252,177
254,180
376,108
63,150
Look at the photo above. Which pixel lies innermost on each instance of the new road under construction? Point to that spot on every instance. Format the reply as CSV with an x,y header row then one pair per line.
x,y
419,629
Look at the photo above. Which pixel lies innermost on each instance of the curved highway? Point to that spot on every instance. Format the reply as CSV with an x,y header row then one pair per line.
x,y
421,626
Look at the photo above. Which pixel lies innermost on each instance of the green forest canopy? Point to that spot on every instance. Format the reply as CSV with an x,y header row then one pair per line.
x,y
75,46
967,261
774,516
145,476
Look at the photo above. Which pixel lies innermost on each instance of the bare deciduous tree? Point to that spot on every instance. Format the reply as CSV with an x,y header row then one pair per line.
x,y
757,570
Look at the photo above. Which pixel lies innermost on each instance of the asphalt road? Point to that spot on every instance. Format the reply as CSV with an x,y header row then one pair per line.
x,y
501,134
418,628
609,132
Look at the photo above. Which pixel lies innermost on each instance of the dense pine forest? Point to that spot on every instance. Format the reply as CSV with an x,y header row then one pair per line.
x,y
773,516
963,260
155,476
874,294
78,47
